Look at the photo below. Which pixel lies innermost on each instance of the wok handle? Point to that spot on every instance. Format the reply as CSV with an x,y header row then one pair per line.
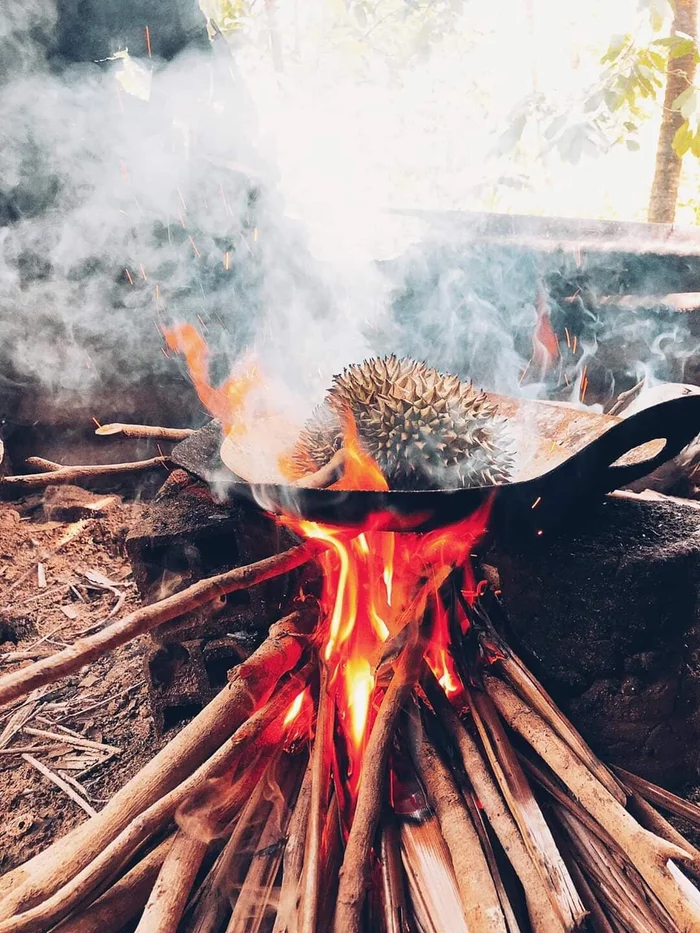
x,y
677,421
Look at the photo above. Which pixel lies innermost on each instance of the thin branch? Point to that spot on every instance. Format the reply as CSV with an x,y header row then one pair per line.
x,y
320,757
649,854
168,898
76,474
144,430
482,909
262,732
122,901
354,872
59,782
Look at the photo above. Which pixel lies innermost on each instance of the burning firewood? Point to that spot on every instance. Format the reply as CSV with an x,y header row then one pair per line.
x,y
513,825
252,683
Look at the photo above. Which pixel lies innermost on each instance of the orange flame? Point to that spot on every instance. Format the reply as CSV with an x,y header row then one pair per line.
x,y
545,346
227,402
361,472
438,653
368,582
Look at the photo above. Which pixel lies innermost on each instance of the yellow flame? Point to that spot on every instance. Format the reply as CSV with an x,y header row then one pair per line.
x,y
340,613
294,708
360,684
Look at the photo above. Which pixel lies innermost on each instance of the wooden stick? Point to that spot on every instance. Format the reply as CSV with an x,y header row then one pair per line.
x,y
597,917
482,908
168,898
263,727
631,901
330,473
648,853
534,694
252,904
75,474
320,759
332,857
435,898
42,464
661,797
478,820
393,888
354,872
69,739
144,430
142,620
290,892
59,782
214,905
124,900
652,820
543,916
251,684
523,806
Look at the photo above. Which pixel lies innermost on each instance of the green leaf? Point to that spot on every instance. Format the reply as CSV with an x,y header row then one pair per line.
x,y
657,61
682,140
686,102
630,127
632,145
613,101
617,44
695,145
682,47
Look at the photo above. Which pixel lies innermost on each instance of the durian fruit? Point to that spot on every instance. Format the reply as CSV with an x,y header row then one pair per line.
x,y
423,429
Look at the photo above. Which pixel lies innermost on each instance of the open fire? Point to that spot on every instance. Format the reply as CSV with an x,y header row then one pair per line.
x,y
405,648
383,761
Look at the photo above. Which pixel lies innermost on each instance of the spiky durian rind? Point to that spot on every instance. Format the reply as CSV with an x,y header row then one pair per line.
x,y
424,429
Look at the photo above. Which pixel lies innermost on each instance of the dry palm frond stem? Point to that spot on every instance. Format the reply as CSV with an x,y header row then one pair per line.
x,y
262,728
166,904
482,909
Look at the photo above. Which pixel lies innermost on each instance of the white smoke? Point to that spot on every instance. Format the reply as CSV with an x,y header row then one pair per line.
x,y
253,202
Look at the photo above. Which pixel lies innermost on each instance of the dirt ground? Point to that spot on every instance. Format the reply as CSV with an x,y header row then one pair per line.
x,y
59,580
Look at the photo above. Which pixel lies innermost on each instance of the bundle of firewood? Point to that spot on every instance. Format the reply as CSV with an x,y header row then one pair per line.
x,y
483,810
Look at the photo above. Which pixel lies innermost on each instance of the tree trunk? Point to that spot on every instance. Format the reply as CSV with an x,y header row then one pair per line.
x,y
680,75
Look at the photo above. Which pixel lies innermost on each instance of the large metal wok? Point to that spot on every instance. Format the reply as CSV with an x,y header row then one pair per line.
x,y
564,459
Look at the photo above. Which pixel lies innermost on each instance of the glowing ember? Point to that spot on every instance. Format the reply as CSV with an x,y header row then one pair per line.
x,y
227,402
